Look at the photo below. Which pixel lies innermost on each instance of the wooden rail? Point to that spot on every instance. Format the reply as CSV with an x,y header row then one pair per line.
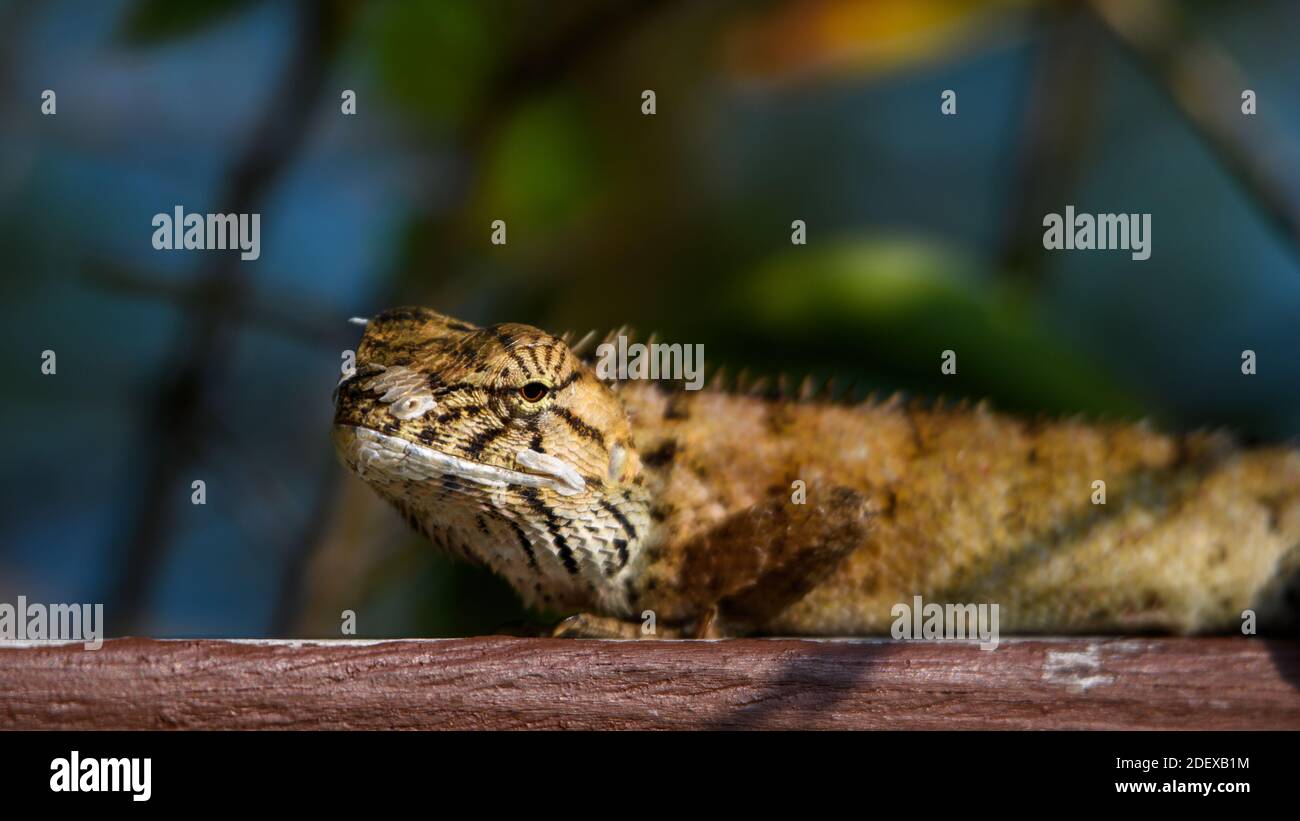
x,y
494,682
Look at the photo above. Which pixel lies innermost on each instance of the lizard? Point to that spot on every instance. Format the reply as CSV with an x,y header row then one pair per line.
x,y
611,500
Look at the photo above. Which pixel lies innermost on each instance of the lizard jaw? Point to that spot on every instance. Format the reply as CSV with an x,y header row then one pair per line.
x,y
392,456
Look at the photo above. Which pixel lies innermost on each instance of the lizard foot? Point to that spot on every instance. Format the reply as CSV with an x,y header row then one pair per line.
x,y
591,626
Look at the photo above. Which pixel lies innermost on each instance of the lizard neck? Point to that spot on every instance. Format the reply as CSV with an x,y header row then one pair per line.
x,y
561,553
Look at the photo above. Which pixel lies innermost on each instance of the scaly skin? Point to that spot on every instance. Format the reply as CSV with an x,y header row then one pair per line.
x,y
502,446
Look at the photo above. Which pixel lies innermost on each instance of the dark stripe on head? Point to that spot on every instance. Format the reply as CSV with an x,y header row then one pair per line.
x,y
481,440
495,390
534,427
508,343
569,380
531,351
519,362
579,426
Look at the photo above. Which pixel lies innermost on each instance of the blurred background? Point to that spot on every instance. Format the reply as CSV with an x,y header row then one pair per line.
x,y
924,234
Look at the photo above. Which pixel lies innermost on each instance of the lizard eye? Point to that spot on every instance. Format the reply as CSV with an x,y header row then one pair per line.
x,y
534,392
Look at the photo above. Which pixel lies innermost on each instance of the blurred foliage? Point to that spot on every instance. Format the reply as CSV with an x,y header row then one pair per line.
x,y
154,22
540,171
530,112
434,59
418,591
897,303
862,38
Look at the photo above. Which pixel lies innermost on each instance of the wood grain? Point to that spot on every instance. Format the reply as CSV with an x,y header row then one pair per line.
x,y
496,683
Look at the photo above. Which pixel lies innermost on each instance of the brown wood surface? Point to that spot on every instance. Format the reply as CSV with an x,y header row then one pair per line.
x,y
496,682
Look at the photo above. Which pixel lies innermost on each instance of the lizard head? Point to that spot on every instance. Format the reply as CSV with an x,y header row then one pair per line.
x,y
500,445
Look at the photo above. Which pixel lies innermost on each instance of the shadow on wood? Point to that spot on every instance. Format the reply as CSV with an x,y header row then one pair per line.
x,y
494,682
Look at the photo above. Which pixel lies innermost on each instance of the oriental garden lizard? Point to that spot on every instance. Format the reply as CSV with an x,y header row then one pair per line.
x,y
733,513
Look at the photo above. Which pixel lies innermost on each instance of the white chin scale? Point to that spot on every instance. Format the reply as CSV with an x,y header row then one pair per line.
x,y
567,480
376,455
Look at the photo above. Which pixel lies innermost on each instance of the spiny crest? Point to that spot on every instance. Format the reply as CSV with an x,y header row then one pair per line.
x,y
719,380
428,325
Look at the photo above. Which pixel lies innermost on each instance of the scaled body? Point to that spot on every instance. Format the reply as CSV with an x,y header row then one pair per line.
x,y
503,447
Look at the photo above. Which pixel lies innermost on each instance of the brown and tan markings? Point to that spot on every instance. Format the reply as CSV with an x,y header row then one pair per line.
x,y
501,445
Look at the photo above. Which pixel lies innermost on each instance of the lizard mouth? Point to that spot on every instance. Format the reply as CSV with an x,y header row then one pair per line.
x,y
370,453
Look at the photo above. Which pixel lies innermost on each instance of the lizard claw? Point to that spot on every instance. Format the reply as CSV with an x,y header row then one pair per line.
x,y
591,626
